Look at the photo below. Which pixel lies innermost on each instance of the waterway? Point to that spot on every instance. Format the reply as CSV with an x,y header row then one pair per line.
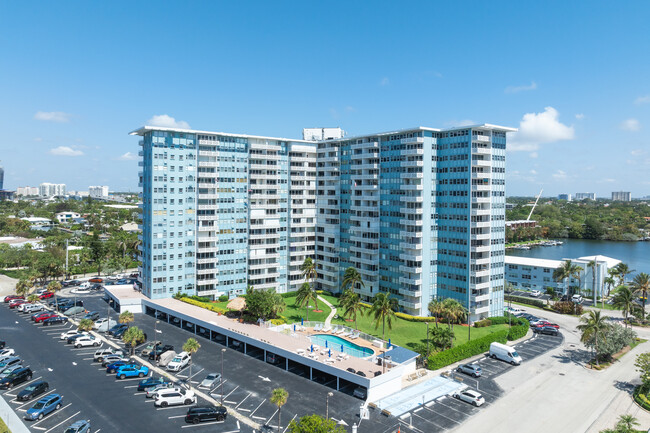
x,y
635,254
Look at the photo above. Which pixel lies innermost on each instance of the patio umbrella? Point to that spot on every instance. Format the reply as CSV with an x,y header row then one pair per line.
x,y
341,348
329,353
312,348
326,344
302,321
389,343
294,327
238,304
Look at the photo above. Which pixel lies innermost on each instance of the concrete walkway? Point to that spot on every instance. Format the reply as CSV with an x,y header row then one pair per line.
x,y
328,321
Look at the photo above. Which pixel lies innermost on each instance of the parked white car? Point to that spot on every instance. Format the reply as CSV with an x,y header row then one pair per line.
x,y
7,352
68,334
32,308
470,396
174,397
536,293
156,390
179,362
103,325
86,340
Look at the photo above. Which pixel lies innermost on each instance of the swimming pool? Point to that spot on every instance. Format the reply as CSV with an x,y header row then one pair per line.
x,y
335,342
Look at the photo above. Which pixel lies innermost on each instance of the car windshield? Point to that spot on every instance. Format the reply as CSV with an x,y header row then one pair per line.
x,y
38,405
177,359
70,430
211,376
515,354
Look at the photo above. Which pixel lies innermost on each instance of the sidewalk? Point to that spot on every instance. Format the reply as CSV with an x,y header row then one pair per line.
x,y
328,321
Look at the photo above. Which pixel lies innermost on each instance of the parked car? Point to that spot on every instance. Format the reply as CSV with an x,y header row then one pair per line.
x,y
32,390
122,281
535,293
548,330
82,426
505,353
150,347
45,295
103,325
32,308
86,341
174,397
128,345
7,371
132,370
14,378
471,369
8,362
93,315
118,330
71,283
71,333
39,317
102,353
2,344
109,359
165,358
10,298
7,352
113,366
470,396
16,302
56,320
159,350
151,382
211,380
198,414
96,280
44,406
152,392
541,324
179,362
75,311
576,299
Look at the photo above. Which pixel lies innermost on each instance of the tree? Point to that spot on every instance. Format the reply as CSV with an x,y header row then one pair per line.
x,y
626,423
437,309
191,346
85,325
33,298
593,265
565,271
23,286
126,317
625,301
383,310
642,365
622,270
550,291
593,327
264,304
279,397
352,279
453,311
308,270
97,250
442,338
54,287
305,295
351,304
641,287
132,337
314,424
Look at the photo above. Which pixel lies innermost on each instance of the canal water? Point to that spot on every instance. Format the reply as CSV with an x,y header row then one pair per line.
x,y
635,254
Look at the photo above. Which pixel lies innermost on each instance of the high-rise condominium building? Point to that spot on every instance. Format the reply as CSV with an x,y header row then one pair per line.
x,y
585,195
98,191
622,196
224,211
27,190
566,197
420,213
2,178
51,189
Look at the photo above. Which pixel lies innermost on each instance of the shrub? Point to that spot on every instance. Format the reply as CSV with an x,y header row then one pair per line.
x,y
207,305
616,338
567,307
410,318
482,323
518,331
223,298
523,300
641,399
279,321
288,295
200,298
469,349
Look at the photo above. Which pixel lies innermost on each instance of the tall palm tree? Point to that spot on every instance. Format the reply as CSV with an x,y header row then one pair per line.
x,y
308,270
437,309
622,271
54,287
132,337
625,300
383,311
641,286
626,423
352,279
593,327
33,298
23,286
352,306
609,282
279,397
565,271
304,296
593,265
191,346
126,317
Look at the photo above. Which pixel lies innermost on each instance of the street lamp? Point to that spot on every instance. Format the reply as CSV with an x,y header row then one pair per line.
x,y
222,352
327,404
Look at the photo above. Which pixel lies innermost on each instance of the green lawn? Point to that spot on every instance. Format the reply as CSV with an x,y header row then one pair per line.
x,y
3,427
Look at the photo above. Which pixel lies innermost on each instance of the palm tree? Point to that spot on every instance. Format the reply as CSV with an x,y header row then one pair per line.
x,y
308,269
126,317
625,300
593,328
383,311
132,337
279,397
352,279
593,265
304,296
641,287
626,423
351,303
622,271
33,298
191,346
85,325
437,309
442,338
54,287
609,281
23,287
565,271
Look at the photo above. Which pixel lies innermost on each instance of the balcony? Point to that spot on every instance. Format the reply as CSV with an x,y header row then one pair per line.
x,y
409,222
482,150
481,175
481,212
481,273
480,248
412,140
480,298
481,138
481,163
481,310
369,144
411,164
483,187
413,281
409,304
415,257
480,199
409,269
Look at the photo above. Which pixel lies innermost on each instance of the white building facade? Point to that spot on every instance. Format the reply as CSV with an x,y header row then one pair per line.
x,y
98,191
26,191
51,189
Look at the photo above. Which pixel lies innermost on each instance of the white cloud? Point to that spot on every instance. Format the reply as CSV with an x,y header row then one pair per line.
x,y
560,175
538,128
384,81
637,152
167,121
580,116
52,116
533,172
128,156
533,155
642,99
630,125
350,109
517,89
65,151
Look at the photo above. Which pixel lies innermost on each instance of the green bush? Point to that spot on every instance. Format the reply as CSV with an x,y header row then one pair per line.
x,y
641,398
518,331
207,305
278,321
410,318
467,350
482,323
288,295
523,300
223,298
567,307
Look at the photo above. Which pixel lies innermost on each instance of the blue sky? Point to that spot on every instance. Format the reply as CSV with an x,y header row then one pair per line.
x,y
76,77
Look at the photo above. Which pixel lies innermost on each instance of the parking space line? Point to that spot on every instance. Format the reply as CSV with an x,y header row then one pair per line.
x,y
439,414
285,429
207,423
52,428
58,411
131,386
176,416
258,407
249,394
226,396
20,386
171,407
197,373
271,417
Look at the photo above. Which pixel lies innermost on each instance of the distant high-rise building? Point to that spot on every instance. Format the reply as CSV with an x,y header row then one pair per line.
x,y
622,196
98,191
51,189
566,197
585,196
2,178
27,191
320,134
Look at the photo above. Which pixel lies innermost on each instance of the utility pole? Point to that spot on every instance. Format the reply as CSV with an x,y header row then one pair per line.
x,y
427,340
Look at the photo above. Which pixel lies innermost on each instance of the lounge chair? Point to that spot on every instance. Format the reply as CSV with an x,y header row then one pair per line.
x,y
346,334
340,331
327,329
318,327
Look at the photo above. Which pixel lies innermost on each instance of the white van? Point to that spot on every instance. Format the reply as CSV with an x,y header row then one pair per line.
x,y
505,353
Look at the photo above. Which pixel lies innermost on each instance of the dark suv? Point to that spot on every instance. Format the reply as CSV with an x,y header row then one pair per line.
x,y
19,376
197,414
548,330
159,350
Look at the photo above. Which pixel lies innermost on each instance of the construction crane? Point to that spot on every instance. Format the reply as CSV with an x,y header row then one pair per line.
x,y
533,209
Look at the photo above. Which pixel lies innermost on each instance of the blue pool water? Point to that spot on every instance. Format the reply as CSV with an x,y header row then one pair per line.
x,y
334,342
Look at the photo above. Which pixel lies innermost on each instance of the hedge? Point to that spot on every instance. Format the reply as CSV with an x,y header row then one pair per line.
x,y
524,300
207,305
641,398
519,331
467,350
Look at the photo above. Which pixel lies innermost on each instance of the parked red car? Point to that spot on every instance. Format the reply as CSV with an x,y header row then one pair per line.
x,y
43,316
542,324
16,302
12,297
96,280
46,295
